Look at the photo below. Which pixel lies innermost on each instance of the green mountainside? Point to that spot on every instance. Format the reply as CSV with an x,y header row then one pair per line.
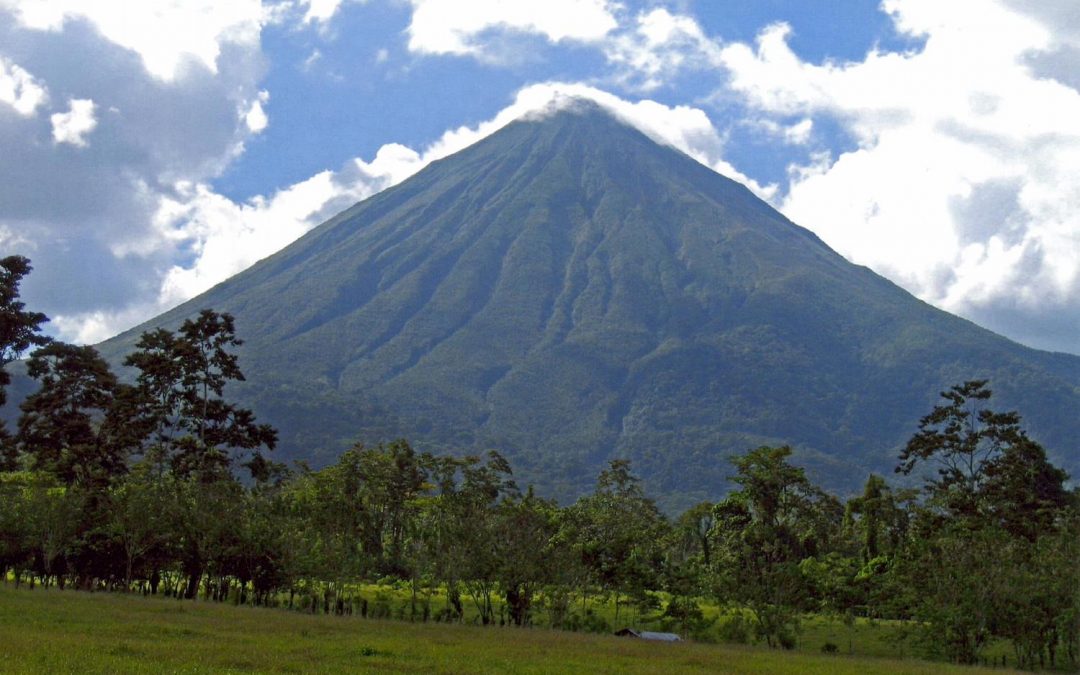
x,y
567,291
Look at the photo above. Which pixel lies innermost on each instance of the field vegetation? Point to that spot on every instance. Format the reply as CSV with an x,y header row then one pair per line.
x,y
53,631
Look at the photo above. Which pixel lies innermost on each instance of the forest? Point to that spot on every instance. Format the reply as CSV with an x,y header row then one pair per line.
x,y
160,485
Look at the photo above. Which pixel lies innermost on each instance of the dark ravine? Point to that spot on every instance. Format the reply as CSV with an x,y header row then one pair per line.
x,y
567,291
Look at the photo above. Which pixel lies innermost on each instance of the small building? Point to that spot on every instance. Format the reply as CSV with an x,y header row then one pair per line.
x,y
648,635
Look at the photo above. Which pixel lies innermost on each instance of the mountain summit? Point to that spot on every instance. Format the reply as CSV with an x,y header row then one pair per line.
x,y
567,291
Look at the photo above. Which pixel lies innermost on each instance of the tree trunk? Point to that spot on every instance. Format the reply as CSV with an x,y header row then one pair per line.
x,y
192,590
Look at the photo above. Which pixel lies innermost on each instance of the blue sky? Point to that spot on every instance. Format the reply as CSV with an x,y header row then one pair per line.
x,y
149,150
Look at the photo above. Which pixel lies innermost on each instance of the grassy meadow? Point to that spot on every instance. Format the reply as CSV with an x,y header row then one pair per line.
x,y
68,632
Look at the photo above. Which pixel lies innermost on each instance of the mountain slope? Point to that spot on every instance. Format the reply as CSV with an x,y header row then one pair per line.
x,y
567,290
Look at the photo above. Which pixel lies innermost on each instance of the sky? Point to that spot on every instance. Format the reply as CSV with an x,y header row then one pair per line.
x,y
150,149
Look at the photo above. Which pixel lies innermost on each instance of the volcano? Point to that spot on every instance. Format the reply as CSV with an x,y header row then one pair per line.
x,y
568,290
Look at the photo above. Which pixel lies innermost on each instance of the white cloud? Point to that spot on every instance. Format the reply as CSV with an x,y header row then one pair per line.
x,y
173,104
798,133
965,182
19,89
227,237
321,11
314,57
162,32
451,27
74,125
661,45
98,325
255,118
646,52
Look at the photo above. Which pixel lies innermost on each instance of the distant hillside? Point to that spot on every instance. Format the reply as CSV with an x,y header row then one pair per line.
x,y
567,291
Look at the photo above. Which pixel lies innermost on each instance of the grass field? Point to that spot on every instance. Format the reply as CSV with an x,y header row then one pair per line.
x,y
72,632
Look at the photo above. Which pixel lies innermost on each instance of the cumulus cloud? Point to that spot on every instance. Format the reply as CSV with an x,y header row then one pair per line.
x,y
164,34
255,117
646,50
963,185
19,89
449,27
660,46
74,125
320,11
86,218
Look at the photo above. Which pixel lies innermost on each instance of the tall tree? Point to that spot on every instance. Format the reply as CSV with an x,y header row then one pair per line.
x,y
19,330
878,518
622,533
526,528
982,540
989,470
459,525
963,438
61,427
182,378
763,531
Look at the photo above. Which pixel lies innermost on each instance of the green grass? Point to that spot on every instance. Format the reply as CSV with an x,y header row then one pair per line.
x,y
54,631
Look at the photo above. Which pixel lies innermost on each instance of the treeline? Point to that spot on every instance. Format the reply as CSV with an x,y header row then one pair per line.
x,y
161,486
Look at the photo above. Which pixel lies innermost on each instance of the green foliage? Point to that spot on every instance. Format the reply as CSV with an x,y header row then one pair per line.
x,y
985,556
763,532
735,630
988,467
19,330
63,428
619,532
181,382
988,554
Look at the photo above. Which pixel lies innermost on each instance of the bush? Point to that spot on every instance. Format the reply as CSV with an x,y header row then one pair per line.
x,y
590,622
786,639
735,630
380,609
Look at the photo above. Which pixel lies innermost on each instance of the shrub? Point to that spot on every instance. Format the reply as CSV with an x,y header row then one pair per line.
x,y
735,630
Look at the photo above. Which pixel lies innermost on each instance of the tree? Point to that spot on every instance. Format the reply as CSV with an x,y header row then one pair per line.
x,y
460,530
139,518
989,471
526,528
182,379
53,523
763,531
692,532
974,447
878,519
1024,493
621,533
361,509
877,526
687,560
19,330
62,425
474,529
982,545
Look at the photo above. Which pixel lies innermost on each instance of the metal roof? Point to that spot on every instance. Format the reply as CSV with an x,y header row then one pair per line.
x,y
649,635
